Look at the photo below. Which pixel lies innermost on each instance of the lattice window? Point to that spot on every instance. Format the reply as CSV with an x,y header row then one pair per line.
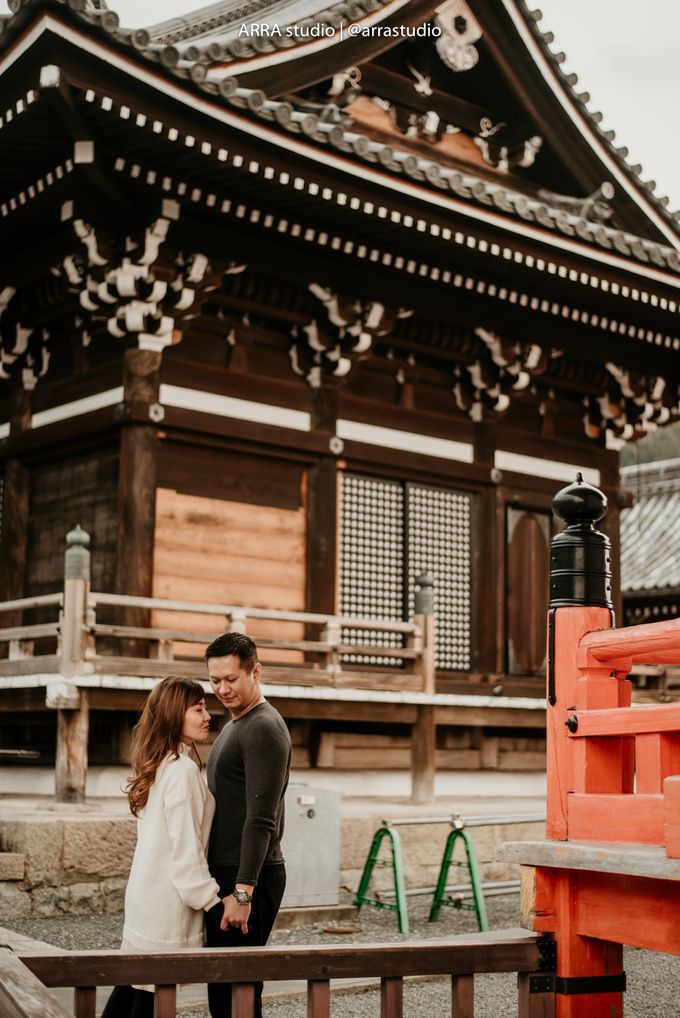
x,y
372,560
439,543
391,532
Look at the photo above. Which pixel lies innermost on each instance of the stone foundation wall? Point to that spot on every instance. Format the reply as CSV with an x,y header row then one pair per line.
x,y
64,865
79,865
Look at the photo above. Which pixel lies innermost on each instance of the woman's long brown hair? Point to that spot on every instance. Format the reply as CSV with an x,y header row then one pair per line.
x,y
158,733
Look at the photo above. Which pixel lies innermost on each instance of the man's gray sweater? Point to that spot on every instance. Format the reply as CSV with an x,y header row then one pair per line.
x,y
248,770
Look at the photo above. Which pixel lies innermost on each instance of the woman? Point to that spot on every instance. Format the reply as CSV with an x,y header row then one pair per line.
x,y
170,885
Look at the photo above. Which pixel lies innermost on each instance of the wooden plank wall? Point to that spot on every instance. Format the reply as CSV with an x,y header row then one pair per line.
x,y
223,551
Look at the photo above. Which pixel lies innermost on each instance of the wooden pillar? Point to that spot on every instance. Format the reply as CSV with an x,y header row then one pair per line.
x,y
73,715
71,762
322,509
423,732
15,509
322,536
489,587
321,593
137,483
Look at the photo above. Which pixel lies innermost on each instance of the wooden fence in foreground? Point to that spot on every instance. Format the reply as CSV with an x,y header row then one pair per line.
x,y
25,979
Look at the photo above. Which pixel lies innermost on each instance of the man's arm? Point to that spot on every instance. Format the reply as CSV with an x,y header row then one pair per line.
x,y
266,760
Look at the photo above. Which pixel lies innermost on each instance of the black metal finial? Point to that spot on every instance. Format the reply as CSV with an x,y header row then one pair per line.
x,y
580,556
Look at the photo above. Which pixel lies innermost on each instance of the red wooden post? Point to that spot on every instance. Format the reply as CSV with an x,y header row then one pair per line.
x,y
671,797
242,1000
165,1002
580,590
85,1002
462,996
391,997
318,998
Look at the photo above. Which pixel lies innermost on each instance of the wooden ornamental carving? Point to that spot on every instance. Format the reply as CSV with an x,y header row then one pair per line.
x,y
125,287
504,154
630,406
459,32
325,350
24,352
501,370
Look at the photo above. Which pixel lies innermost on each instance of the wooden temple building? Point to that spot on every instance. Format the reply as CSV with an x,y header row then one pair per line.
x,y
297,303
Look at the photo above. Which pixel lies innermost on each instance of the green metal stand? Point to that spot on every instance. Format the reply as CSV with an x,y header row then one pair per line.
x,y
399,904
477,905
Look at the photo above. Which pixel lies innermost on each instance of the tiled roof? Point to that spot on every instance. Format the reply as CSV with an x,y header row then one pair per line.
x,y
404,163
193,68
650,530
220,23
569,81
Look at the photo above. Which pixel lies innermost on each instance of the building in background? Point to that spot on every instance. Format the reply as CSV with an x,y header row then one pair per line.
x,y
288,317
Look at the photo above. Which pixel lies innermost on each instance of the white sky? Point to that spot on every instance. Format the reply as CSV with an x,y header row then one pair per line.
x,y
624,52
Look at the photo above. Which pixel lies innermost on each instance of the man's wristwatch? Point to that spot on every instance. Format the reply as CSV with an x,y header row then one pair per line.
x,y
242,897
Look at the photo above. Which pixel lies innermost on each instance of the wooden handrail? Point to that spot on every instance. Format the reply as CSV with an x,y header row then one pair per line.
x,y
29,632
32,602
458,957
646,644
209,608
626,721
512,950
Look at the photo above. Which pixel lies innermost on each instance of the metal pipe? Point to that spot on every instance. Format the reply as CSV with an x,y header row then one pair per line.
x,y
475,821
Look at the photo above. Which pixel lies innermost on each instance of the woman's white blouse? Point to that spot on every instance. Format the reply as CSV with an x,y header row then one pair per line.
x,y
170,885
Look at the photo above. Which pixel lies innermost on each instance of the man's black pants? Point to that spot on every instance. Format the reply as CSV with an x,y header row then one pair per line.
x,y
266,902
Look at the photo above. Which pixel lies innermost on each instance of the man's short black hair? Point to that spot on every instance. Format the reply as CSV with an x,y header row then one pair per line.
x,y
238,644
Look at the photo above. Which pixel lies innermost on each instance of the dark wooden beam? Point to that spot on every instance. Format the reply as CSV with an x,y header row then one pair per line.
x,y
15,511
486,560
396,88
59,100
322,536
137,484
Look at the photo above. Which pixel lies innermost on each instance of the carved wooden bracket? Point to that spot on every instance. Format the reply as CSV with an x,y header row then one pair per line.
x,y
125,286
631,406
502,370
327,350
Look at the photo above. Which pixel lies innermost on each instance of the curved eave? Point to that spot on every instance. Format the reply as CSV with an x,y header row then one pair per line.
x,y
434,204
579,119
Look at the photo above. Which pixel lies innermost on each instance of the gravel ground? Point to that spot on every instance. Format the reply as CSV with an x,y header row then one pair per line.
x,y
653,979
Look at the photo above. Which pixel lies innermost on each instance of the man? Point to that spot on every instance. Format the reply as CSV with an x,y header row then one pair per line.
x,y
248,770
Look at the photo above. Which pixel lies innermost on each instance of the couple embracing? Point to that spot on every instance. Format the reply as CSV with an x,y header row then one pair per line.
x,y
206,856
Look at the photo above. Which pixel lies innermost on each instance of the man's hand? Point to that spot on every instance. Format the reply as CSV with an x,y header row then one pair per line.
x,y
234,914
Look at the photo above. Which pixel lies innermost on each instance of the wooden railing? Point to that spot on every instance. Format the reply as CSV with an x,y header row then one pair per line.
x,y
24,978
624,758
606,874
83,648
307,648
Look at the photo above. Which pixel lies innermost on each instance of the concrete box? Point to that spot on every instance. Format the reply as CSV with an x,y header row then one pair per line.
x,y
311,846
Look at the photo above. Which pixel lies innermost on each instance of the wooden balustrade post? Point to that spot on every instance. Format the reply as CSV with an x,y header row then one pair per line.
x,y
70,701
331,636
423,732
581,601
236,622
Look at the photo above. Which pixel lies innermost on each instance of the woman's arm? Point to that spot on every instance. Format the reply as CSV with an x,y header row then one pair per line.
x,y
183,804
